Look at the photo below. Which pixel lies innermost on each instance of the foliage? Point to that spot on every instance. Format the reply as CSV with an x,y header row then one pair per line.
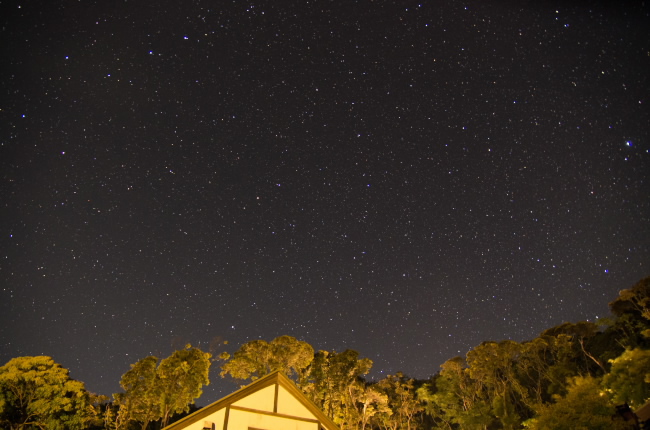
x,y
456,398
633,300
403,403
100,404
154,391
629,378
583,335
502,384
585,407
371,403
36,392
544,365
257,358
632,310
332,382
493,366
139,401
181,377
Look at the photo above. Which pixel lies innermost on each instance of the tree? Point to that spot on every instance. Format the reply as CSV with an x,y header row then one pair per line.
x,y
544,365
428,394
331,383
140,400
582,333
257,358
629,378
635,299
401,399
36,392
585,407
457,398
100,405
632,311
494,366
371,402
155,391
181,377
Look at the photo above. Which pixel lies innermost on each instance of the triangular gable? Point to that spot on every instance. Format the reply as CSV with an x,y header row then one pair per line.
x,y
270,403
643,413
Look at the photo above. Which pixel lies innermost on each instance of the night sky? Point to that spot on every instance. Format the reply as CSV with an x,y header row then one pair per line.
x,y
404,179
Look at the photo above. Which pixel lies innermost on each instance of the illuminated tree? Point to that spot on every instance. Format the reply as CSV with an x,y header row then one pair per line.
x,y
155,391
140,400
458,398
257,358
585,407
181,377
493,365
428,394
333,378
36,392
544,365
401,399
100,405
582,334
371,403
629,378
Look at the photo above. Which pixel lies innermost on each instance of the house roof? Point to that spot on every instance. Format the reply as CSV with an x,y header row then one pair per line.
x,y
271,379
643,412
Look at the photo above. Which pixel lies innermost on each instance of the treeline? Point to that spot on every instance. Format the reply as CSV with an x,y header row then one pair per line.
x,y
572,376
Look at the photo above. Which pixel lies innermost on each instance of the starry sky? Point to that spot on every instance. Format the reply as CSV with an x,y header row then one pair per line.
x,y
407,179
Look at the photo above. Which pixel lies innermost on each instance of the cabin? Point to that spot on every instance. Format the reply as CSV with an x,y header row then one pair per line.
x,y
272,402
643,416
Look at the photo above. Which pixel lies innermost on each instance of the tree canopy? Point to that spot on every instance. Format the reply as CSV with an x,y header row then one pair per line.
x,y
36,392
154,390
584,407
257,358
629,378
